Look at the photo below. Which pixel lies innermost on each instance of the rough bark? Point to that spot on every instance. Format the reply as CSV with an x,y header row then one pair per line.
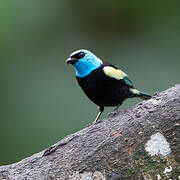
x,y
142,142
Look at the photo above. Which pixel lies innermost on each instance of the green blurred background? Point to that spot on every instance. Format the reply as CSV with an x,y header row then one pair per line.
x,y
40,102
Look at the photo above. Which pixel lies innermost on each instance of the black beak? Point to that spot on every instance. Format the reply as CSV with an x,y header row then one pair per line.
x,y
71,60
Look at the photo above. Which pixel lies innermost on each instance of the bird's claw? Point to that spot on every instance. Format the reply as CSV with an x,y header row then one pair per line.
x,y
113,113
94,122
89,124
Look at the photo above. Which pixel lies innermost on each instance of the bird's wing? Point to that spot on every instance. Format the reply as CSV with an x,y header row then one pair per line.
x,y
113,72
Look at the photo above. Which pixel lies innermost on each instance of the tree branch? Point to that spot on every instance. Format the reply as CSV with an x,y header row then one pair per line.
x,y
141,142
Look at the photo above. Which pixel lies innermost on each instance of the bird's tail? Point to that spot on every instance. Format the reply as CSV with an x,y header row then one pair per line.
x,y
140,94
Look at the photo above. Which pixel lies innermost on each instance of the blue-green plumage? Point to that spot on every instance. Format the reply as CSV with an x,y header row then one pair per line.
x,y
85,65
103,83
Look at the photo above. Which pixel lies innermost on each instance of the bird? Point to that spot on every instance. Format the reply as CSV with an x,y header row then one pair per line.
x,y
103,83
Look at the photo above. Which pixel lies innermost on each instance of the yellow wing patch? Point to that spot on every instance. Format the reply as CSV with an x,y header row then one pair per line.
x,y
134,91
114,73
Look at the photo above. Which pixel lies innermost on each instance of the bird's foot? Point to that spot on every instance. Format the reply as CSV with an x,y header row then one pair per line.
x,y
89,124
113,113
94,122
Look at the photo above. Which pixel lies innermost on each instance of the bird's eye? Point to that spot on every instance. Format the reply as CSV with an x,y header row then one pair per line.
x,y
81,55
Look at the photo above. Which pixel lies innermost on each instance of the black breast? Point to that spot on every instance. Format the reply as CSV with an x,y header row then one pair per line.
x,y
103,90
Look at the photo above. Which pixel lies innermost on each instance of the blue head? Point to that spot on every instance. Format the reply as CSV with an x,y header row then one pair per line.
x,y
84,62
